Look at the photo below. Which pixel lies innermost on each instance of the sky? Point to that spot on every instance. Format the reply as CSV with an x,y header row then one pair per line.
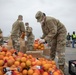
x,y
64,10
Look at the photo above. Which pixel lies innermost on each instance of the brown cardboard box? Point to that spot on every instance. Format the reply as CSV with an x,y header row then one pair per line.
x,y
46,52
37,54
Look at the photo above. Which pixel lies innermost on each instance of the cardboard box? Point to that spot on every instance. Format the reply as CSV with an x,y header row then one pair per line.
x,y
37,54
46,52
72,67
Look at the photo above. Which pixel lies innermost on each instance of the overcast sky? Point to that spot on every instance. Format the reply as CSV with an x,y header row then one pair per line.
x,y
64,10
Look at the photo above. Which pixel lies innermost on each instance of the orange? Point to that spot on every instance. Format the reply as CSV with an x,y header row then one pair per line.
x,y
38,62
16,63
43,62
1,62
30,56
28,63
24,72
50,69
8,54
1,57
42,45
13,66
1,68
10,62
5,58
35,73
54,67
55,73
12,50
20,54
30,72
45,73
3,53
33,63
46,66
1,73
58,71
18,59
23,59
53,62
25,55
23,65
42,48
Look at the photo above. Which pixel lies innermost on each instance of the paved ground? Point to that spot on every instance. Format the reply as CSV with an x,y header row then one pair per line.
x,y
70,55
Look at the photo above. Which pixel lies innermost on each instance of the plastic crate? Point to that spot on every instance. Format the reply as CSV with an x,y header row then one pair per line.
x,y
72,67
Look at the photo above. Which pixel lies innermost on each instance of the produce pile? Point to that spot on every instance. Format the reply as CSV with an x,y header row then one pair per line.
x,y
17,63
38,45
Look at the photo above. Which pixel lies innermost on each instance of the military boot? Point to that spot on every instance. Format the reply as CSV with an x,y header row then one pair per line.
x,y
61,67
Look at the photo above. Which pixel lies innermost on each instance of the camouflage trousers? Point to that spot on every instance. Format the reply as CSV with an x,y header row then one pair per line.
x,y
1,41
58,45
30,43
16,43
30,47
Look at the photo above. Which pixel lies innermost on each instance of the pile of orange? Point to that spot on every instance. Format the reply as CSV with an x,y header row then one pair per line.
x,y
27,64
38,46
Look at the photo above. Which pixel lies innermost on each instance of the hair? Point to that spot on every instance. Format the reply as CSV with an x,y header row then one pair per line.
x,y
20,17
26,23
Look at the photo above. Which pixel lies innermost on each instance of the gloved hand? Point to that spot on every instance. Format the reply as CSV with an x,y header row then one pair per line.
x,y
41,40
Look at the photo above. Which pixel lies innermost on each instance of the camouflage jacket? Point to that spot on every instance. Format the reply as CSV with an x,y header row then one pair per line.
x,y
52,27
17,28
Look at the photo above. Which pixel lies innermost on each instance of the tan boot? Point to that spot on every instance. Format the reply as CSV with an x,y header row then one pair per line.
x,y
61,67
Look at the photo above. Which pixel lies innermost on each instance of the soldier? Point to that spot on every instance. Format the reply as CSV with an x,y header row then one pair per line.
x,y
17,29
1,38
54,32
30,37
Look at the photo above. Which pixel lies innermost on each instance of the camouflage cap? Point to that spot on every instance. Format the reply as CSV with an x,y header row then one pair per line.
x,y
39,16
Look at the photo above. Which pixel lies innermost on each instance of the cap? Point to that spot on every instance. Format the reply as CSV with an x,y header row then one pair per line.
x,y
39,16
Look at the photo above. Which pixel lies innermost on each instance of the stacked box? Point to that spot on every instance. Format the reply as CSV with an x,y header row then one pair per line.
x,y
72,67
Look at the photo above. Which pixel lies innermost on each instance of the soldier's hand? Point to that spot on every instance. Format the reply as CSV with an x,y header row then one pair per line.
x,y
22,35
41,40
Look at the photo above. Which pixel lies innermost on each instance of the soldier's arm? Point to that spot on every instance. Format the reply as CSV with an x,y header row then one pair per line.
x,y
22,28
52,31
43,36
29,29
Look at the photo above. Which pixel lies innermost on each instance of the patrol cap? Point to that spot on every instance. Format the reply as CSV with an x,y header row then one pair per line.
x,y
39,16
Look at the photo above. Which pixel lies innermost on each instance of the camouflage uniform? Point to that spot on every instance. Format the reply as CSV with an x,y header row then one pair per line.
x,y
17,29
54,32
1,38
30,38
